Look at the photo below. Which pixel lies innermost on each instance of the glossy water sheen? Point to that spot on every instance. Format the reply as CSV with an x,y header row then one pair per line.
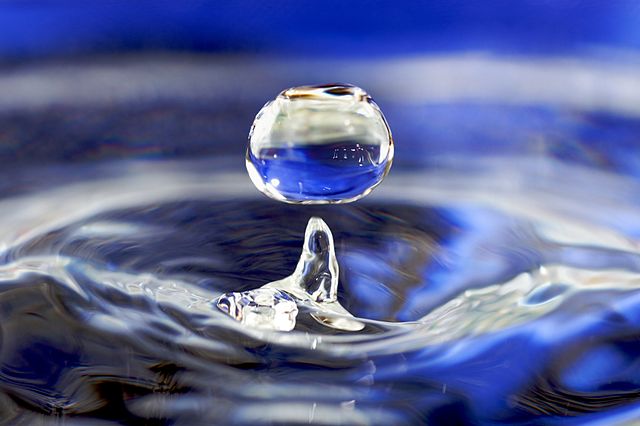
x,y
266,308
313,285
505,292
319,145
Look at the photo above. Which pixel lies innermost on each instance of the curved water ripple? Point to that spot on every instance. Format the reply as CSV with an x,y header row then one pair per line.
x,y
475,310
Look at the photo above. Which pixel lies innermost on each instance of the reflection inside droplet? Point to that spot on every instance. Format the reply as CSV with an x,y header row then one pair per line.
x,y
319,145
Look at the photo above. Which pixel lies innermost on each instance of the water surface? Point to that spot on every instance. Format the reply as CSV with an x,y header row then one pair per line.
x,y
501,291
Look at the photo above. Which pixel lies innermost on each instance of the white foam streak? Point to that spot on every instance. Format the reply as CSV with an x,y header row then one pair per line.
x,y
583,83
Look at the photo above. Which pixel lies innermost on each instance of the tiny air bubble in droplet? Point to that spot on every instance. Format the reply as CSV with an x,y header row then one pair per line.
x,y
321,144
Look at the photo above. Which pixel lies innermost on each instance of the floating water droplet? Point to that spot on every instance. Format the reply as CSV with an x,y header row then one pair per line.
x,y
319,145
314,284
261,308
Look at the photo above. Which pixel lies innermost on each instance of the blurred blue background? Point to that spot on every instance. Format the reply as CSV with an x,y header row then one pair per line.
x,y
88,81
329,28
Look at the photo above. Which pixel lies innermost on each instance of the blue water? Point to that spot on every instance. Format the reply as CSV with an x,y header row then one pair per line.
x,y
486,300
336,171
496,269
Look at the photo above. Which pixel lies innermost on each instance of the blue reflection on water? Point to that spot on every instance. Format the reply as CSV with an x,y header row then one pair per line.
x,y
335,171
104,312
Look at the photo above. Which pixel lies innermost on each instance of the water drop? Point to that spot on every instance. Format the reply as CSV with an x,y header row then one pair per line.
x,y
319,145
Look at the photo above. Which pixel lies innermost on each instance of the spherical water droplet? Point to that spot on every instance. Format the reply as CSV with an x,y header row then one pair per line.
x,y
319,145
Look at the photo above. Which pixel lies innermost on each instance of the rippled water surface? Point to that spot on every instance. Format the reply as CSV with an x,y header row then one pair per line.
x,y
490,295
